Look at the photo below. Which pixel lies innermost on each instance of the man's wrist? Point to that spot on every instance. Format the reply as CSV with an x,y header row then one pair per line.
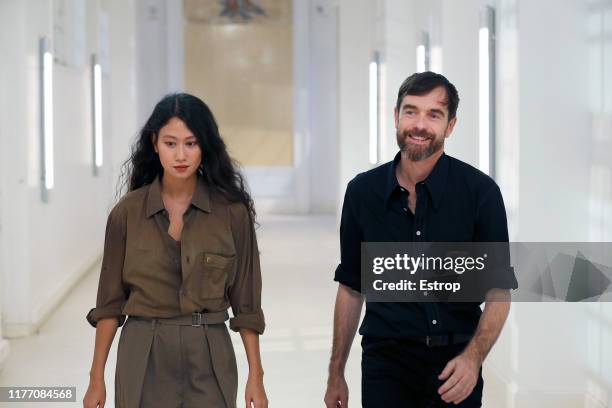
x,y
336,369
473,354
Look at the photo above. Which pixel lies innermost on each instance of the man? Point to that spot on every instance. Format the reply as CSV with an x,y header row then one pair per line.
x,y
419,354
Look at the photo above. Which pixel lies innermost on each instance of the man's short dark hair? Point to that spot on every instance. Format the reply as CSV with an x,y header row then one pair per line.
x,y
422,83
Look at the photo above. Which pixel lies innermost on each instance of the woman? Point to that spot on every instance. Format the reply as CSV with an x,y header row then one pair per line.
x,y
180,248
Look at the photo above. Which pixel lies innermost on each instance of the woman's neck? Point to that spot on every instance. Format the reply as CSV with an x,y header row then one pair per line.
x,y
178,188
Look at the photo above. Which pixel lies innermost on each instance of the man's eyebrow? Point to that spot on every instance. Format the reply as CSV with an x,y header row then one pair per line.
x,y
434,110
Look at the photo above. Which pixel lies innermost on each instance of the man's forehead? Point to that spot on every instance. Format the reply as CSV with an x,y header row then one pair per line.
x,y
436,97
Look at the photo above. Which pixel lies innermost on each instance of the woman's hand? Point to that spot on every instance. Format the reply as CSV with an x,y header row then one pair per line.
x,y
254,395
96,394
255,392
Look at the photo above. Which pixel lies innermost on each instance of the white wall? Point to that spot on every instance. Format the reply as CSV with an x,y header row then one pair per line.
x,y
551,130
152,54
47,247
323,119
122,85
561,89
459,41
553,111
11,59
356,45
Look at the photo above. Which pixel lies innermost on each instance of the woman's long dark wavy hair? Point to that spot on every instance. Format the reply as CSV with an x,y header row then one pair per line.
x,y
219,170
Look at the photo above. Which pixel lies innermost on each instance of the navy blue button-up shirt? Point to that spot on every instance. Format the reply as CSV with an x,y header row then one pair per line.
x,y
455,203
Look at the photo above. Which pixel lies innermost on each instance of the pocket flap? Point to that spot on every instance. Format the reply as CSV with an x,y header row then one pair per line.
x,y
220,261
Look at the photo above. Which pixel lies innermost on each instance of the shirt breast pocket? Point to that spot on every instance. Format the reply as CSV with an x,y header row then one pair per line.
x,y
216,272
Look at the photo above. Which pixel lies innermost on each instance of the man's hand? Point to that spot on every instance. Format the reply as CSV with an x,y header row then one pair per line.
x,y
461,375
346,319
337,392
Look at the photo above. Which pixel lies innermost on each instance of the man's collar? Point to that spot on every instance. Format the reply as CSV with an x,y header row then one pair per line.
x,y
200,198
435,181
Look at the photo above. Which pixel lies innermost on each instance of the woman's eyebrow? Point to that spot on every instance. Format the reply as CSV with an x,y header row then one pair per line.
x,y
167,135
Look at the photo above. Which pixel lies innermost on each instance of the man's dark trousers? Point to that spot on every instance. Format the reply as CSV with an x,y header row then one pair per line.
x,y
404,373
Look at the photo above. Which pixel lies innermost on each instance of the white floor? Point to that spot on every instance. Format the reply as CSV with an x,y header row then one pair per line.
x,y
299,255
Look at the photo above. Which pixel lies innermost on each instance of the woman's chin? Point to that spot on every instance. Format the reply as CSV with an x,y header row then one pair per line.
x,y
180,174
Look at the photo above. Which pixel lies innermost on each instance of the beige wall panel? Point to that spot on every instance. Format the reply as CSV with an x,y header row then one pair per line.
x,y
243,69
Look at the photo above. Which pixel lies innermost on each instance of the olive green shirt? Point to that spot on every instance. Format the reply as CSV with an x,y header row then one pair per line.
x,y
215,265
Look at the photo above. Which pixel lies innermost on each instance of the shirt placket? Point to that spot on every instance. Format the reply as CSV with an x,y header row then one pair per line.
x,y
185,253
432,312
419,216
182,259
186,260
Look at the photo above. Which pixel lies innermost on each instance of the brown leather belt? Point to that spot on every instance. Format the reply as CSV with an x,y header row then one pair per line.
x,y
195,319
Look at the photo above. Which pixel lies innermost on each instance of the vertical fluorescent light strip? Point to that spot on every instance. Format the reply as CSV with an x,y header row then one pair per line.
x,y
423,53
483,97
374,109
48,74
420,53
97,114
486,90
46,117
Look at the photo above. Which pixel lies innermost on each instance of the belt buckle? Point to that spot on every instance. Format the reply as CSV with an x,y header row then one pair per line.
x,y
428,341
196,319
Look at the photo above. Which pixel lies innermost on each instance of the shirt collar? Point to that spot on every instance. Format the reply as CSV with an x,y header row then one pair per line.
x,y
435,182
200,198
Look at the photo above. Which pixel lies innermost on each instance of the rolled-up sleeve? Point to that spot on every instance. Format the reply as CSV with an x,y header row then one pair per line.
x,y
245,291
348,271
112,294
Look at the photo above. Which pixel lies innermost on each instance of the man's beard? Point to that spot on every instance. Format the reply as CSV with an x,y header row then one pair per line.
x,y
418,152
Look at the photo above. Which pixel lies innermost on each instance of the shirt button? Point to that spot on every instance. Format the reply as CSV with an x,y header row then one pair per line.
x,y
402,189
434,321
405,209
418,232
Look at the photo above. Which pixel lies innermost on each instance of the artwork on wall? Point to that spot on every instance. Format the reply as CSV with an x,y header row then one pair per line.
x,y
244,9
238,11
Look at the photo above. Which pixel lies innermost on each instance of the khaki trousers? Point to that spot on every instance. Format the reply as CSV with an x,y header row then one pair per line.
x,y
170,363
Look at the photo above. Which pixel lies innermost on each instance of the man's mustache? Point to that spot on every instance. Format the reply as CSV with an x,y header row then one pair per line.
x,y
418,133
